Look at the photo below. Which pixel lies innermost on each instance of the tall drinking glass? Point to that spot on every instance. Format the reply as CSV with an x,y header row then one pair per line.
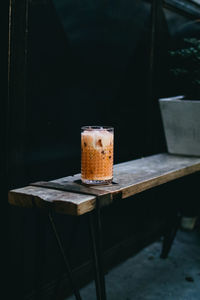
x,y
97,154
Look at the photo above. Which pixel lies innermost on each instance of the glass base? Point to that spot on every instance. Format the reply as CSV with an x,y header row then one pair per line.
x,y
97,182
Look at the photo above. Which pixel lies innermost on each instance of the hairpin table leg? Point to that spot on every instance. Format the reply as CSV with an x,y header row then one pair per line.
x,y
68,268
170,235
95,230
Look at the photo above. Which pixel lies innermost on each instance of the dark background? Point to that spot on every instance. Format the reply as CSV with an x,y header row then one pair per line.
x,y
88,63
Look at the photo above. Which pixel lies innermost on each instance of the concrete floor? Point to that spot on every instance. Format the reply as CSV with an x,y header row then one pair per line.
x,y
147,277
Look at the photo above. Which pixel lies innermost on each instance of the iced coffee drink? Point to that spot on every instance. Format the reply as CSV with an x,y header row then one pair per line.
x,y
97,154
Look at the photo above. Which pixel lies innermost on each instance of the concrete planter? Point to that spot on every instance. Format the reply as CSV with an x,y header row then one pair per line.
x,y
181,121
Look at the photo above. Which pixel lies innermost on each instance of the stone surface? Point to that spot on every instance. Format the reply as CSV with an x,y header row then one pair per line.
x,y
147,277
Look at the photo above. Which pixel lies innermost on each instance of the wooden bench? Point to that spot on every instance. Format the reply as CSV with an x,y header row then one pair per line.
x,y
68,196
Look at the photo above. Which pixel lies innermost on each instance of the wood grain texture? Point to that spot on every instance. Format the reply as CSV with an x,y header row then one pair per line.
x,y
132,177
63,202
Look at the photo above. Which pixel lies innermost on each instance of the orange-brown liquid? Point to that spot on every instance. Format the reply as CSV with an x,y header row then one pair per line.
x,y
96,156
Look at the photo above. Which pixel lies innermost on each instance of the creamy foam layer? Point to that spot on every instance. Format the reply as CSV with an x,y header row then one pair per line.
x,y
97,139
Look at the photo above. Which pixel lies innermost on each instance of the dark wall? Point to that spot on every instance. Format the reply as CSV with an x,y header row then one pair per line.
x,y
87,63
3,103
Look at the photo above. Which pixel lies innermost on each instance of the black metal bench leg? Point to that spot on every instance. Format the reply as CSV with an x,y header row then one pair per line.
x,y
68,268
95,230
170,236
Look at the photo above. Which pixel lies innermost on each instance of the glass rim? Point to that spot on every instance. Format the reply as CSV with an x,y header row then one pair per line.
x,y
96,127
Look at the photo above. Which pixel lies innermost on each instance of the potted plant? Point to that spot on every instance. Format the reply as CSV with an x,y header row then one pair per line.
x,y
181,114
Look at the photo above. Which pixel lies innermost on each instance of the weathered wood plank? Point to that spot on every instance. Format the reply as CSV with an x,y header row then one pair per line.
x,y
132,177
62,202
